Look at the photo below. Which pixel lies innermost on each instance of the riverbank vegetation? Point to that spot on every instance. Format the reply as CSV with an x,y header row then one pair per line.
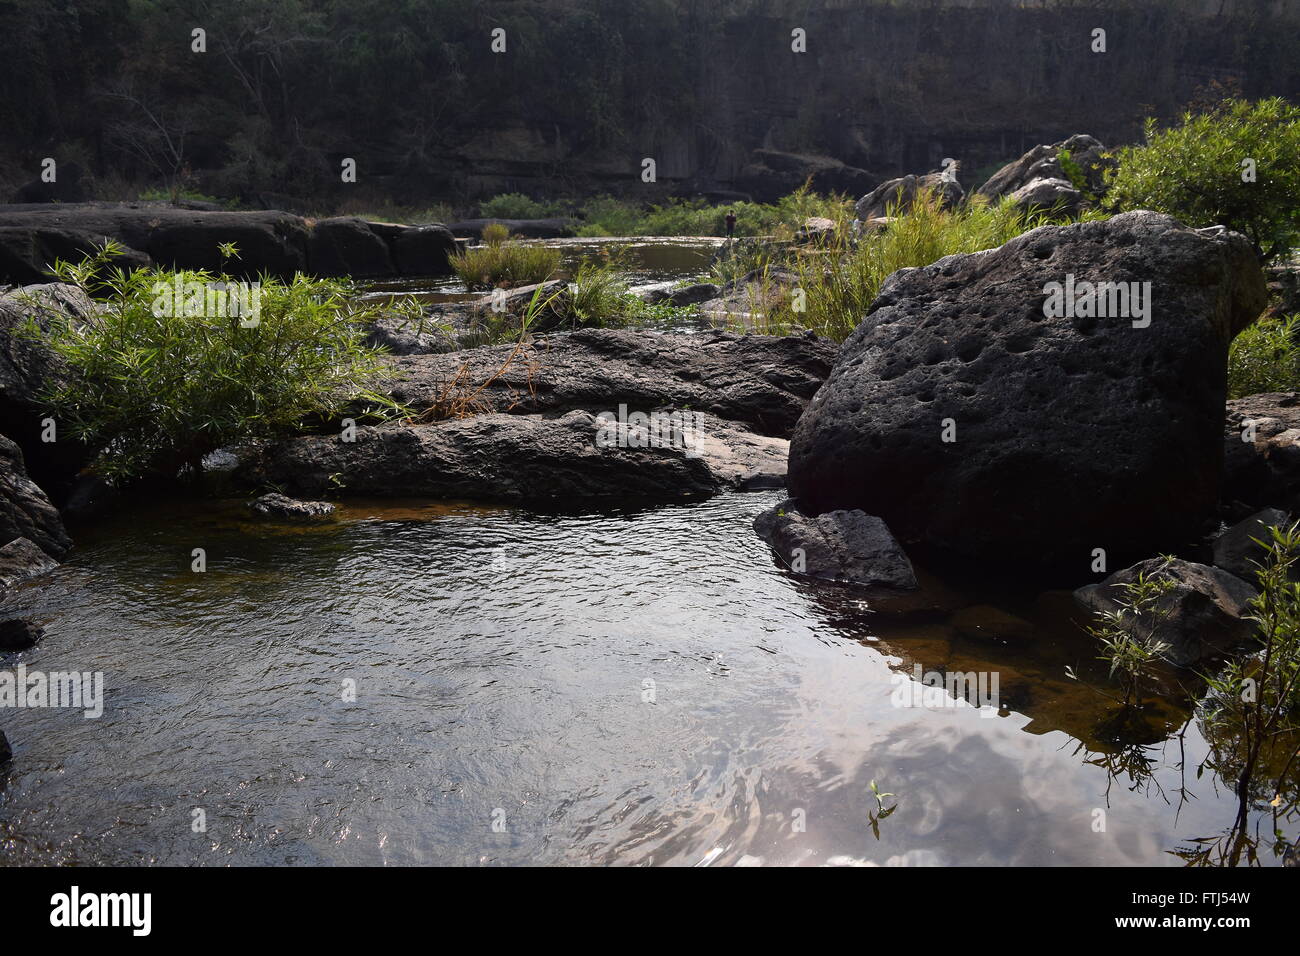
x,y
170,368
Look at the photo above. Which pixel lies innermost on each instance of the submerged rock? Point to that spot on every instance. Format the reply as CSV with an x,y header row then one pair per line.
x,y
984,622
846,546
763,381
978,426
275,505
18,634
25,511
500,457
21,559
1237,550
1200,617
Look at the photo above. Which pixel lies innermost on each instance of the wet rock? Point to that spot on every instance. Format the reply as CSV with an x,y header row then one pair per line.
x,y
25,511
1237,550
27,368
983,622
21,559
846,546
274,505
6,752
500,457
18,634
897,195
1042,164
1261,450
1063,434
759,380
1201,617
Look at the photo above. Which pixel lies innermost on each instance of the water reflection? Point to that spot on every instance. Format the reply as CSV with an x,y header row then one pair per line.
x,y
637,687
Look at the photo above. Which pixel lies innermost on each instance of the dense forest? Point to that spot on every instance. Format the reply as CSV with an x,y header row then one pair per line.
x,y
274,94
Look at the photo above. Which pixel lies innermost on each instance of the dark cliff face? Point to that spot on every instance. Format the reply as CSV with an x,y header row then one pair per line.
x,y
588,89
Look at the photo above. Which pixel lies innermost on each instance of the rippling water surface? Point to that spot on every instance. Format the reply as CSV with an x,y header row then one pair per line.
x,y
638,687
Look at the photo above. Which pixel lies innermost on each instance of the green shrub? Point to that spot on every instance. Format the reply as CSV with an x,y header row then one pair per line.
x,y
494,233
156,384
1194,172
513,206
840,284
1265,358
600,296
506,264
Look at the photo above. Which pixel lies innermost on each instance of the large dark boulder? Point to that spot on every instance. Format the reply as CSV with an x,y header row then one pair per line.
x,y
1070,433
346,246
25,511
764,381
418,250
1242,549
519,458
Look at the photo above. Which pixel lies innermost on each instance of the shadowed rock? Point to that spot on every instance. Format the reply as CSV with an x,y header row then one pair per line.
x,y
845,546
1238,550
1261,450
18,634
25,511
279,506
20,559
979,427
1200,617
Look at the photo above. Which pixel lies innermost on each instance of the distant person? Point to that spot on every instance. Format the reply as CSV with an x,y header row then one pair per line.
x,y
731,224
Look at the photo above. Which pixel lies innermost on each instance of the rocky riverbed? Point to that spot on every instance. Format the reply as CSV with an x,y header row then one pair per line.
x,y
733,518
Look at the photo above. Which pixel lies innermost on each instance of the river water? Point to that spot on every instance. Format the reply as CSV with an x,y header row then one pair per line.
x,y
625,686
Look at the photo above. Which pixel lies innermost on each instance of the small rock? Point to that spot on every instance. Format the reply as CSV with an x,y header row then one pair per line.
x,y
21,559
281,506
18,634
1199,618
847,546
1237,550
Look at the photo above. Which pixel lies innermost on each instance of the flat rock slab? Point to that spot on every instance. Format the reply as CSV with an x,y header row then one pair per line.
x,y
762,381
522,458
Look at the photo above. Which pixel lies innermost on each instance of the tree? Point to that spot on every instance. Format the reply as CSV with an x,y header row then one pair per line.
x,y
1237,165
